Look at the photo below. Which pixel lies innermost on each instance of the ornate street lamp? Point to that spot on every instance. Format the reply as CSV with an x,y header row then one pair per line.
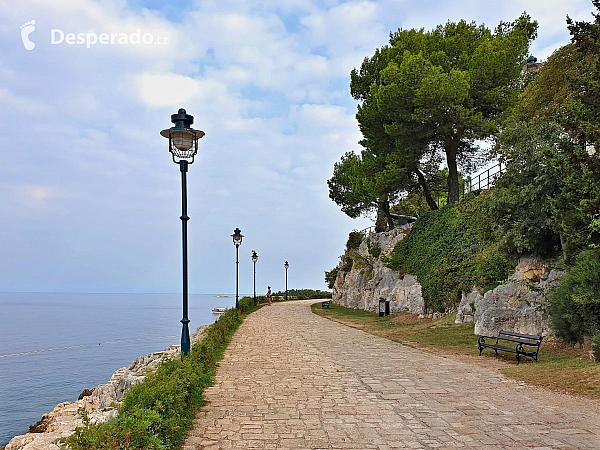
x,y
237,241
286,265
254,259
183,145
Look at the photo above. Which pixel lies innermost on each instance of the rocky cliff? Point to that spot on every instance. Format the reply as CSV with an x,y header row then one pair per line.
x,y
370,280
516,305
101,402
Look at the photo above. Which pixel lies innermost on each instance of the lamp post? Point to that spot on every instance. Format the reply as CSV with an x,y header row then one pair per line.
x,y
286,265
237,241
254,259
183,145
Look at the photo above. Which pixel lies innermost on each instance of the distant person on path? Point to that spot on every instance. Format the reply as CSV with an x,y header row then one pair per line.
x,y
269,295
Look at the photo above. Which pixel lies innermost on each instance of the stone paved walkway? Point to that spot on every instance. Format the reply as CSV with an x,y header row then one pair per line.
x,y
291,379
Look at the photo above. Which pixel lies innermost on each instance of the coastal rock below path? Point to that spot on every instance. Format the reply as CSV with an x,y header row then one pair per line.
x,y
101,405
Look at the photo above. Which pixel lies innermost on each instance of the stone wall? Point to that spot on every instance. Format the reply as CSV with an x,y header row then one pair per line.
x,y
369,279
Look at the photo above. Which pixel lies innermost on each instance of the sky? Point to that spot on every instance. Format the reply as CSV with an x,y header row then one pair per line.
x,y
89,196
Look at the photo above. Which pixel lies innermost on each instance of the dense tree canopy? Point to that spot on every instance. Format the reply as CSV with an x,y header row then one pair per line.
x,y
550,193
440,91
363,184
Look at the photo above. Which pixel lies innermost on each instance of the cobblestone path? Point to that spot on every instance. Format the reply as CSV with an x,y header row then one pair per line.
x,y
291,379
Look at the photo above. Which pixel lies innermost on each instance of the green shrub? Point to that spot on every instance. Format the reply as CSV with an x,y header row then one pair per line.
x,y
596,347
354,240
246,304
331,276
575,302
347,263
158,412
374,249
304,294
449,252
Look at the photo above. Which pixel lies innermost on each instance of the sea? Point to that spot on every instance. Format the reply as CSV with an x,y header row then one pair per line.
x,y
55,345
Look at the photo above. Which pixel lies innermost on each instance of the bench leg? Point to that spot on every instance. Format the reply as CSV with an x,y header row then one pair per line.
x,y
480,350
518,358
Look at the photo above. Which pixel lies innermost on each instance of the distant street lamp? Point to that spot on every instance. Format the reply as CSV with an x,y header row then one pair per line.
x,y
237,241
183,145
286,265
254,259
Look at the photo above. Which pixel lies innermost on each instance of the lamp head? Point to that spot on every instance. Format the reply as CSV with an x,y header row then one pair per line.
x,y
183,139
237,237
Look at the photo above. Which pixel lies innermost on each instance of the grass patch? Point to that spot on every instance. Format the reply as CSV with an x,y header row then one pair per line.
x,y
561,367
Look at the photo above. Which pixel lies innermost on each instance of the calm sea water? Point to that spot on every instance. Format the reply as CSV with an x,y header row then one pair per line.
x,y
49,344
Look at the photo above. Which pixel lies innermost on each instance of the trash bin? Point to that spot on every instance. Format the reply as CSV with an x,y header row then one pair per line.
x,y
382,307
387,307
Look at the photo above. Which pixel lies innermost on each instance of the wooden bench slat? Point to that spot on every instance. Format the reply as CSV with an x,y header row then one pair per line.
x,y
526,336
519,341
501,347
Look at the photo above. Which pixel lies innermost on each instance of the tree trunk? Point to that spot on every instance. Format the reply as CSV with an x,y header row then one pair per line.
x,y
423,182
385,209
451,150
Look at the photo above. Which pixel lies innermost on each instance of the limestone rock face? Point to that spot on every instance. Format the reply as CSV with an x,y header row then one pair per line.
x,y
101,404
466,308
369,279
517,305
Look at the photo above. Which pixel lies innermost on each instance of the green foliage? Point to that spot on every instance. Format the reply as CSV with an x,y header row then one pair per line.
x,y
374,249
305,294
596,346
347,263
355,238
158,412
362,184
440,92
583,120
247,303
550,192
575,303
331,276
449,253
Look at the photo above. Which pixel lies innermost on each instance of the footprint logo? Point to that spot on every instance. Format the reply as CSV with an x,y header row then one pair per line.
x,y
26,30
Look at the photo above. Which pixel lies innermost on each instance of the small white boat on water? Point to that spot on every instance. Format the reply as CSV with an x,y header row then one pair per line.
x,y
219,310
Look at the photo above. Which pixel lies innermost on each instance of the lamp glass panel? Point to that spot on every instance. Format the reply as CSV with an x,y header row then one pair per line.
x,y
183,140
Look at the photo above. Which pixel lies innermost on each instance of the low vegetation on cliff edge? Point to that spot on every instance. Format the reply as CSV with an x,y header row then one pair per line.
x,y
158,413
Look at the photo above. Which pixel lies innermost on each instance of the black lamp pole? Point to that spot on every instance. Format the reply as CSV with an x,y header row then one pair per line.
x,y
254,259
185,331
183,145
286,265
237,241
